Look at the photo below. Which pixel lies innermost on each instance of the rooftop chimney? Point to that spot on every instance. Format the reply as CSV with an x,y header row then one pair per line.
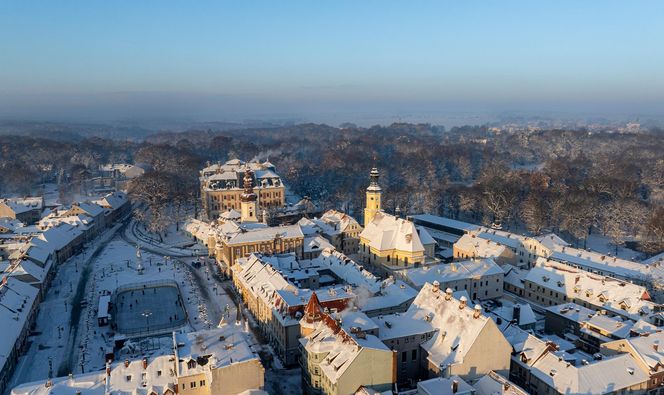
x,y
126,363
448,294
145,363
478,311
436,286
463,301
455,386
516,313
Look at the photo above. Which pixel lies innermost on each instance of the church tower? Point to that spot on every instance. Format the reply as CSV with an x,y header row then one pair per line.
x,y
373,198
248,205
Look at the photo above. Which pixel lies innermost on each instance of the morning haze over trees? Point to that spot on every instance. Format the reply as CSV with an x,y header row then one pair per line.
x,y
572,182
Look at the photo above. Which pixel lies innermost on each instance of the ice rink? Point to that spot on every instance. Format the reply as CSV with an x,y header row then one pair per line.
x,y
149,309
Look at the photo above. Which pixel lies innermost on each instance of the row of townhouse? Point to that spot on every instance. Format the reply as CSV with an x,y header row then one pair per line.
x,y
31,263
505,248
541,367
276,289
550,283
438,337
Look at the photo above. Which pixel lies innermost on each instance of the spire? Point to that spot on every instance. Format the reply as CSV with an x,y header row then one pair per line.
x,y
313,312
374,175
248,195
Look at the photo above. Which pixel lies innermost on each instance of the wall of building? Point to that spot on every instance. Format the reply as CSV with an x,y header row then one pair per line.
x,y
237,378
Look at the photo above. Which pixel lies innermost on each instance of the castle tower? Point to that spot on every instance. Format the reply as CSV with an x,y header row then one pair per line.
x,y
248,205
372,205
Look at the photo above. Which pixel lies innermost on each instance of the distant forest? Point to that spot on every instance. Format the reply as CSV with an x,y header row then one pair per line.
x,y
568,181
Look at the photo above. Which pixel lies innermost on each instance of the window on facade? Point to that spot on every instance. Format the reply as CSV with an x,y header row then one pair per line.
x,y
202,383
414,354
404,356
192,384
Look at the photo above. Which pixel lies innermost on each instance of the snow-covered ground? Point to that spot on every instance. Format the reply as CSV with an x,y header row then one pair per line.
x,y
49,344
64,343
175,243
74,347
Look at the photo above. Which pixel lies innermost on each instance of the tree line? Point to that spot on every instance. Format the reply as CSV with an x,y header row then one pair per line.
x,y
569,181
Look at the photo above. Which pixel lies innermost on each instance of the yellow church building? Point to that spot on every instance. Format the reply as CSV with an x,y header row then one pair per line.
x,y
389,242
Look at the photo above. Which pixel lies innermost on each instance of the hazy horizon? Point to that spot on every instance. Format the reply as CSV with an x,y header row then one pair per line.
x,y
372,62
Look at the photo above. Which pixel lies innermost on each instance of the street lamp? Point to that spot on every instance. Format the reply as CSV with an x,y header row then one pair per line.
x,y
147,314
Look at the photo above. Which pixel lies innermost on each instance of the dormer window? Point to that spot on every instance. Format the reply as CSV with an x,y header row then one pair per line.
x,y
191,364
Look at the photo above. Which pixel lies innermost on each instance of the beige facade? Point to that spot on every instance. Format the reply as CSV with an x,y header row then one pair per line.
x,y
390,243
222,186
216,362
335,362
26,210
229,380
265,242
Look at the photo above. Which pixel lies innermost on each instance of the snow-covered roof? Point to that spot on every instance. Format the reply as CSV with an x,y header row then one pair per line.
x,y
90,208
220,176
443,386
340,347
56,238
199,229
514,276
572,311
608,375
459,327
113,200
10,224
482,248
357,319
659,258
16,302
159,376
506,313
230,215
446,222
529,347
214,348
551,241
22,205
589,260
316,243
503,239
614,326
618,296
495,384
266,234
392,293
387,232
650,349
451,272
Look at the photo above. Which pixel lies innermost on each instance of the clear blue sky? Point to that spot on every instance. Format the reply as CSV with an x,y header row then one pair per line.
x,y
207,59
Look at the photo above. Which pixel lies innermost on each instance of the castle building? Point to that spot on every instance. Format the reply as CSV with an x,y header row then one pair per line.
x,y
223,184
